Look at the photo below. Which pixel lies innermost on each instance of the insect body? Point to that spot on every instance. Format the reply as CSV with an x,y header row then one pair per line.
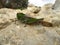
x,y
27,20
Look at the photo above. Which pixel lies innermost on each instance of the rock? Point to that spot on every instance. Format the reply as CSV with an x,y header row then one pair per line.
x,y
34,9
56,6
19,34
29,35
15,4
49,15
45,10
6,17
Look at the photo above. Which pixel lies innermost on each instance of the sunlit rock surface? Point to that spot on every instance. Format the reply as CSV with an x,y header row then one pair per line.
x,y
56,6
16,33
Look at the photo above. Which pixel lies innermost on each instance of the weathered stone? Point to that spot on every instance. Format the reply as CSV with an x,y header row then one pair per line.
x,y
49,15
19,4
56,6
18,34
6,18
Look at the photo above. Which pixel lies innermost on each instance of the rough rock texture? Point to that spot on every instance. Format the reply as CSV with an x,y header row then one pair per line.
x,y
49,14
16,4
17,33
56,6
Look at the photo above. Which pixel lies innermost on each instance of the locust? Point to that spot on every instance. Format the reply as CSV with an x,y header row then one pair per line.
x,y
27,20
30,21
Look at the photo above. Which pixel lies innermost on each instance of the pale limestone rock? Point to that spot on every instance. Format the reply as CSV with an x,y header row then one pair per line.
x,y
56,6
6,17
18,34
49,15
45,10
29,35
32,11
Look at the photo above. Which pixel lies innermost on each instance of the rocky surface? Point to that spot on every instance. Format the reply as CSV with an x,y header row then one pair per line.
x,y
15,4
16,33
56,6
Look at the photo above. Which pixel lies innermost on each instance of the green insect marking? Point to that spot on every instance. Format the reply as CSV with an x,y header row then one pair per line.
x,y
28,20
